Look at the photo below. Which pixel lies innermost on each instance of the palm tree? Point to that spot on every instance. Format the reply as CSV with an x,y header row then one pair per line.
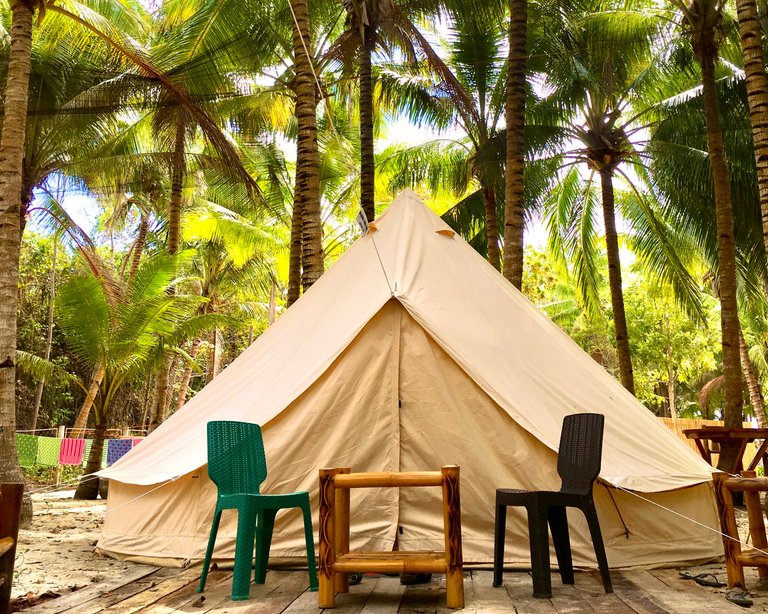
x,y
514,176
12,136
703,19
757,96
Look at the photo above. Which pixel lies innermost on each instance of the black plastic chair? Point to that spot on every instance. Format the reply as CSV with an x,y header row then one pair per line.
x,y
578,463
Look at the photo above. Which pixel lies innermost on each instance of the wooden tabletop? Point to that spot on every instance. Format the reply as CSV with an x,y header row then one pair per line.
x,y
721,434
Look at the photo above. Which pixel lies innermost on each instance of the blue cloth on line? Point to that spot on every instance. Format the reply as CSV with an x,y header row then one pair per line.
x,y
116,449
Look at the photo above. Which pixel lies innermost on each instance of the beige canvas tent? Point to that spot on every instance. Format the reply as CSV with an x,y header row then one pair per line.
x,y
411,352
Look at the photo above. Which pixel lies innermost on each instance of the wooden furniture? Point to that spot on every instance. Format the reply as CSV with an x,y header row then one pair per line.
x,y
336,561
10,510
736,558
720,435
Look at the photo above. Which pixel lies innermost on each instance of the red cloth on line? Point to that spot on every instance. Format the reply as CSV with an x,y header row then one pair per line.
x,y
136,441
71,452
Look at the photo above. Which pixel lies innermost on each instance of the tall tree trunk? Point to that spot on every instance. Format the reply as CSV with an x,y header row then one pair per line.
x,y
307,159
706,52
215,355
614,281
93,389
294,263
185,379
178,171
11,160
514,185
160,394
138,246
491,227
671,392
757,97
88,487
49,336
367,167
272,308
753,383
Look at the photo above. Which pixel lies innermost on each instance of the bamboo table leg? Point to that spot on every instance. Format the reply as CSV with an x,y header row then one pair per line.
x,y
341,525
454,575
326,596
728,524
756,523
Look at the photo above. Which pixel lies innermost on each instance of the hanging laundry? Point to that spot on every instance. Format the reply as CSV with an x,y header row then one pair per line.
x,y
71,452
48,451
116,449
87,451
27,447
136,441
104,451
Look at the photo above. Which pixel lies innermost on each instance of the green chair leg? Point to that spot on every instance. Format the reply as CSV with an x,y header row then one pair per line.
x,y
246,529
209,549
309,535
263,543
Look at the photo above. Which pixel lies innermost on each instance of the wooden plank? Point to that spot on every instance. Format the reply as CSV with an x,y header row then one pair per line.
x,y
72,600
678,595
586,595
386,597
280,590
110,598
634,596
187,595
389,479
519,587
481,594
425,598
157,592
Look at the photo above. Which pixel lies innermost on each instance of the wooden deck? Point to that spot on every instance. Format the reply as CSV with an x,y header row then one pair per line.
x,y
161,590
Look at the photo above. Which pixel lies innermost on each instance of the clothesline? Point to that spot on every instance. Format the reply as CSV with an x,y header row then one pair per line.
x,y
39,450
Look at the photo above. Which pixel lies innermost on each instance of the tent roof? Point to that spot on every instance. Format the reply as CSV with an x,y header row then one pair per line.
x,y
522,360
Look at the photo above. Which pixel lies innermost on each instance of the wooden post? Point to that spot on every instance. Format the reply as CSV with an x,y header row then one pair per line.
x,y
454,575
756,522
341,526
10,512
61,434
728,526
326,596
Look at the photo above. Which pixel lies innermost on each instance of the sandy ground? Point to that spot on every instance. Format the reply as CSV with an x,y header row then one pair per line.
x,y
56,552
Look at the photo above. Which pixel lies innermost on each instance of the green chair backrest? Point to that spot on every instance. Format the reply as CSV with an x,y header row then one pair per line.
x,y
236,460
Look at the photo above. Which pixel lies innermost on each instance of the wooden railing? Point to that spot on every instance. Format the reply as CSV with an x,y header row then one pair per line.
x,y
681,424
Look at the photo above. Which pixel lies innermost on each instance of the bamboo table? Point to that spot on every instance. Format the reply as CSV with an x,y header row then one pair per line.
x,y
336,561
721,435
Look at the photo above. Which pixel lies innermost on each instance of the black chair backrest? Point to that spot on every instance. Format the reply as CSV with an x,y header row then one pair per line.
x,y
581,447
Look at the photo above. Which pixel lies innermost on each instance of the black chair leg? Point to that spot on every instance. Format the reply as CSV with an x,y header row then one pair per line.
x,y
558,525
539,541
597,540
498,543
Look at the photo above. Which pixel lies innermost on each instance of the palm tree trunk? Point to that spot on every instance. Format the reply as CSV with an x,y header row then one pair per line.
x,y
753,383
757,97
215,355
88,488
49,337
82,417
614,281
11,160
138,246
177,188
184,386
294,263
307,159
160,394
367,167
706,52
671,394
514,185
491,227
272,308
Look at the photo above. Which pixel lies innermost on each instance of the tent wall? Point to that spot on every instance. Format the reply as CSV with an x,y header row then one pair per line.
x,y
394,400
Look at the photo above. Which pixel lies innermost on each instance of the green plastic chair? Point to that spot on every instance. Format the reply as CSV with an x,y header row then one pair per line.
x,y
238,466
